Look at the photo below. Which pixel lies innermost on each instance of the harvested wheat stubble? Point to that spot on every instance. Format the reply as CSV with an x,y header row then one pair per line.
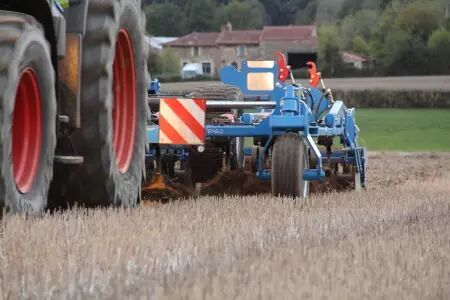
x,y
389,242
401,167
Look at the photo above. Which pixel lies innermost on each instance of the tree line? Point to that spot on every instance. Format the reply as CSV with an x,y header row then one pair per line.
x,y
399,37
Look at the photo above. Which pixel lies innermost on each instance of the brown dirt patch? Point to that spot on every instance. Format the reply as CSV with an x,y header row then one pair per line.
x,y
384,169
237,182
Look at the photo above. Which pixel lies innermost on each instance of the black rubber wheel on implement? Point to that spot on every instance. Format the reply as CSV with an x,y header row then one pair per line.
x,y
289,160
236,145
28,115
113,107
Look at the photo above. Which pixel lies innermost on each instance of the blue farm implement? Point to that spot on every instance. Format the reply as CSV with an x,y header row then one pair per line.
x,y
301,136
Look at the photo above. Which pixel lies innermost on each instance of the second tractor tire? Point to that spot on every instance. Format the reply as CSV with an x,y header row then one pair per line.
x,y
113,106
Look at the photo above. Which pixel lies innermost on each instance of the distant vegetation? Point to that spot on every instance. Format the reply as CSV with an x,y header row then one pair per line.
x,y
400,37
405,129
164,62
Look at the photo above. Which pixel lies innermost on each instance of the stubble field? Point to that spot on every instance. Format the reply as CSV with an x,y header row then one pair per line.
x,y
391,241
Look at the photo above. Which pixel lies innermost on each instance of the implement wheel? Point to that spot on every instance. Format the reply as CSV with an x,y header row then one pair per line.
x,y
113,107
28,115
289,160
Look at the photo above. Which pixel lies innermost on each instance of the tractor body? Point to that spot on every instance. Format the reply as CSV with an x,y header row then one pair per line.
x,y
63,23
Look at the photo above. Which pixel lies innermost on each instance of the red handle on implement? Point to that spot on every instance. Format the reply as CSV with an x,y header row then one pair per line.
x,y
283,69
314,76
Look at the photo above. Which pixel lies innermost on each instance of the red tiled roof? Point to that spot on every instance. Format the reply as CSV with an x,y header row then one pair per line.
x,y
353,56
196,39
235,37
306,34
289,33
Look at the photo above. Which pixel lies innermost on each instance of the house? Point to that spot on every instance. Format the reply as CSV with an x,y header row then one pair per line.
x,y
230,47
357,61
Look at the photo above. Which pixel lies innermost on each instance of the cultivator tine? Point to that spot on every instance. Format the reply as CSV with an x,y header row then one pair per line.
x,y
158,190
157,183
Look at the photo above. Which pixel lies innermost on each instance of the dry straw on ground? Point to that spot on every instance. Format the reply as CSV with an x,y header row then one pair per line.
x,y
392,241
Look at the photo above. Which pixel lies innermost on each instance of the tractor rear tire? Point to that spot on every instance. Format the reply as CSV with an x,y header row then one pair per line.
x,y
289,160
114,107
28,115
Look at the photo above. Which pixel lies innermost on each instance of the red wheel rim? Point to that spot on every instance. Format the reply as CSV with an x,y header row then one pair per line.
x,y
124,107
26,131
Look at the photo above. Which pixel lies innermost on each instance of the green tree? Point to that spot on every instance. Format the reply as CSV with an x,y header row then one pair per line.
x,y
170,62
350,7
399,42
359,24
307,15
440,40
164,62
165,20
439,44
385,24
406,53
328,11
329,55
446,24
359,45
243,14
154,64
201,15
283,12
420,18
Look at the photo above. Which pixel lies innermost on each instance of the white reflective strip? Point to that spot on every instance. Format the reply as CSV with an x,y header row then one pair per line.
x,y
195,110
261,64
163,139
179,125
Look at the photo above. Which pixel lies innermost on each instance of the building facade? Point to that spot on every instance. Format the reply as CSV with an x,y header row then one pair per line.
x,y
230,47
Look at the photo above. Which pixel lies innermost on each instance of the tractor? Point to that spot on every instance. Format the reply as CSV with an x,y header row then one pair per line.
x,y
73,103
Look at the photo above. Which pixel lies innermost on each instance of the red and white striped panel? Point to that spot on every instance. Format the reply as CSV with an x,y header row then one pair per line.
x,y
182,121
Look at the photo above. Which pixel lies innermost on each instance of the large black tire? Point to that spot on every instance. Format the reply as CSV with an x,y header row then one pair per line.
x,y
103,180
23,48
235,145
289,160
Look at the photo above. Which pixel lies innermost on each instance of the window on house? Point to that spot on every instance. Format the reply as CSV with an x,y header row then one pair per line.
x,y
206,68
195,51
234,64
